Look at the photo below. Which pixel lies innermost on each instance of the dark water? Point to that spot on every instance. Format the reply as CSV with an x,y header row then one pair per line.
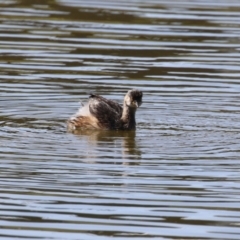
x,y
177,176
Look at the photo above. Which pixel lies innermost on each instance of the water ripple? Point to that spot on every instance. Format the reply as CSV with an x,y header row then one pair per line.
x,y
177,176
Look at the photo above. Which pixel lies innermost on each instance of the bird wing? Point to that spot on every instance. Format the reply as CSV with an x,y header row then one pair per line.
x,y
107,112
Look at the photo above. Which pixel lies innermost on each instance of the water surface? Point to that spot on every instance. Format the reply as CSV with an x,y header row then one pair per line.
x,y
177,176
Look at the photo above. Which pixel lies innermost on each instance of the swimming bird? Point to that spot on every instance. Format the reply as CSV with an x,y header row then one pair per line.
x,y
102,113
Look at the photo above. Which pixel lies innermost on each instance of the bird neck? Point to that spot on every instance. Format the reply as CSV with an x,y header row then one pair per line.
x,y
128,117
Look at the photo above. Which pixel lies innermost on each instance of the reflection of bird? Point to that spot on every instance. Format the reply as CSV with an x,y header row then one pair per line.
x,y
101,113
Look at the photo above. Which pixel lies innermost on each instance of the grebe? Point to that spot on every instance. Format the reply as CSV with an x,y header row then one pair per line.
x,y
101,113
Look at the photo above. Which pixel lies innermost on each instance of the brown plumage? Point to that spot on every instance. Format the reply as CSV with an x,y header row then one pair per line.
x,y
101,113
